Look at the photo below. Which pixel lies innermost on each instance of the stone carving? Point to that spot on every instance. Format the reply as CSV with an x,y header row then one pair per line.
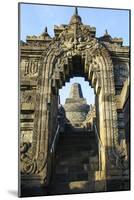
x,y
31,67
75,106
27,97
56,64
28,165
90,118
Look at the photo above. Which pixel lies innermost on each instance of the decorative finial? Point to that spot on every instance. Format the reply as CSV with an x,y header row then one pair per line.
x,y
76,11
45,29
106,32
75,19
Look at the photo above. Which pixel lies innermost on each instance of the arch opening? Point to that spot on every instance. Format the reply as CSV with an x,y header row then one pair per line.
x,y
74,52
78,99
77,150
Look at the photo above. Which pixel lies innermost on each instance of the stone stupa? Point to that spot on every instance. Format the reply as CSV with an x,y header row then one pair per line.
x,y
76,107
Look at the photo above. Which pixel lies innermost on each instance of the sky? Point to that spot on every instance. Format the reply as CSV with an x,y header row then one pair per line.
x,y
34,18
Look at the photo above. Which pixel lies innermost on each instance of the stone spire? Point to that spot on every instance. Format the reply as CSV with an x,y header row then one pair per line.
x,y
75,19
76,91
76,107
45,34
106,32
45,31
106,37
76,11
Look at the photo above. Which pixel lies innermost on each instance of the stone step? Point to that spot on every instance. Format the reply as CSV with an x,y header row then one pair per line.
x,y
72,144
66,177
76,137
79,135
67,171
72,161
71,187
70,153
67,164
69,141
75,140
74,148
72,168
71,156
71,173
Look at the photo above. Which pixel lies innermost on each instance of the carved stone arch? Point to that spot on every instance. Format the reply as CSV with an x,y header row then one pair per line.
x,y
53,64
98,69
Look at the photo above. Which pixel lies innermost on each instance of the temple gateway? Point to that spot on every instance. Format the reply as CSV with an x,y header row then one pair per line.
x,y
76,147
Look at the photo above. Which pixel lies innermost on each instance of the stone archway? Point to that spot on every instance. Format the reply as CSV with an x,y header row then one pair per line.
x,y
99,70
76,46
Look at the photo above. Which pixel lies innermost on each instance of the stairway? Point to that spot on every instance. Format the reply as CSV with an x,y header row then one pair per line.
x,y
72,163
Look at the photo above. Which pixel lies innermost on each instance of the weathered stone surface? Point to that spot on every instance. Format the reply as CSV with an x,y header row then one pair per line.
x,y
75,106
45,65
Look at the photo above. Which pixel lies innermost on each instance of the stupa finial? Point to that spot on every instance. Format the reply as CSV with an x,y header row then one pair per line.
x,y
106,32
75,19
45,29
76,11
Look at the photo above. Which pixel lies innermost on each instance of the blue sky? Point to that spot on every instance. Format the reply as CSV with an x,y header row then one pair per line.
x,y
34,18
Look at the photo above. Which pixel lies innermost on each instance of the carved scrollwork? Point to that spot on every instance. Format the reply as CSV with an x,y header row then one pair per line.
x,y
28,164
58,53
76,36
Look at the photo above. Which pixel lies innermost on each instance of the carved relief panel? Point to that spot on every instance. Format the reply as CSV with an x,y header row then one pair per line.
x,y
30,68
